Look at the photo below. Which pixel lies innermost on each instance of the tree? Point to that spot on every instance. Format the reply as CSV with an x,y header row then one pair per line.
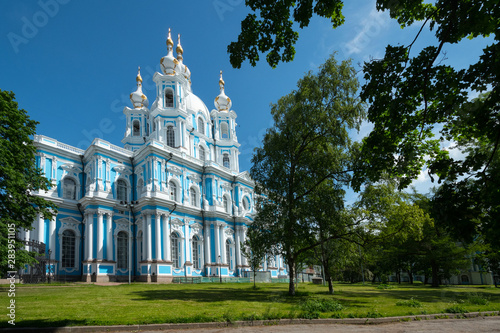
x,y
255,248
307,146
19,180
417,103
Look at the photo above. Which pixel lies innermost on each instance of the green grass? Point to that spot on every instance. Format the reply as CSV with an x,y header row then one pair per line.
x,y
82,304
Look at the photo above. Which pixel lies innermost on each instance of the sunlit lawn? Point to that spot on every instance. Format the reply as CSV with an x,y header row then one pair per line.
x,y
83,304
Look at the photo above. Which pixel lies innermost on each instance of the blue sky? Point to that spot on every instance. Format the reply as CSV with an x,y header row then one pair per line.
x,y
72,64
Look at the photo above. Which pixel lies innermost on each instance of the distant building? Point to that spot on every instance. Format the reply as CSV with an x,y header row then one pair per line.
x,y
174,191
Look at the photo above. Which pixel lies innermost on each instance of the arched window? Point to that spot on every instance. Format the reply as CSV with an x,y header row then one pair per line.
x,y
169,98
122,250
224,131
170,136
176,250
224,204
201,153
173,191
121,190
154,125
229,254
136,128
68,249
246,204
192,197
201,126
69,189
225,160
196,252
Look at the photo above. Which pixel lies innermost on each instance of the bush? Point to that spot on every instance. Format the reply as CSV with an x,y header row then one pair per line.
x,y
321,305
456,308
385,286
477,299
413,303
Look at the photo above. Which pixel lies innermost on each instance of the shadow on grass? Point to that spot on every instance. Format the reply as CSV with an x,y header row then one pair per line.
x,y
46,325
219,294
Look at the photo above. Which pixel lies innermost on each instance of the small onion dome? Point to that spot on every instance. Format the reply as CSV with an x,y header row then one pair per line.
x,y
183,69
222,102
169,63
137,98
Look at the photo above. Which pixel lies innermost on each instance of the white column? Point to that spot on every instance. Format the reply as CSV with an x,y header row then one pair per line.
x,y
99,234
40,229
189,252
27,238
52,236
109,243
217,242
207,244
148,238
90,236
223,245
166,238
158,237
237,248
143,247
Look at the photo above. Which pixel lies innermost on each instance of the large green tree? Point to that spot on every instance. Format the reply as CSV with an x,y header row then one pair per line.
x,y
20,179
418,103
307,146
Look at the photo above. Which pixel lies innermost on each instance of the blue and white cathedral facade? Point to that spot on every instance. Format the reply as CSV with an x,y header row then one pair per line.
x,y
171,202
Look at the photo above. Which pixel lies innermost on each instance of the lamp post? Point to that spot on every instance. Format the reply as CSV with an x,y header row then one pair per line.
x,y
130,206
50,253
220,273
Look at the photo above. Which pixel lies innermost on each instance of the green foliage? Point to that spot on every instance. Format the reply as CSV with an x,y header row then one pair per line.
x,y
273,30
418,104
456,308
385,286
19,182
306,152
412,303
321,305
476,299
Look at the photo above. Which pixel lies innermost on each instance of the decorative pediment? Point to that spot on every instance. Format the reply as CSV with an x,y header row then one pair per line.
x,y
123,220
71,167
175,170
69,223
229,232
122,169
194,177
226,186
245,175
69,220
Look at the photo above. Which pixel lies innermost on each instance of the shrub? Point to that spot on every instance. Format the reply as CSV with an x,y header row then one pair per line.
x,y
385,286
321,305
456,308
477,299
413,303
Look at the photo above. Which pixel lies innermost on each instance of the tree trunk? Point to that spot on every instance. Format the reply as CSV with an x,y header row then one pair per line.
x,y
291,274
410,276
435,274
329,279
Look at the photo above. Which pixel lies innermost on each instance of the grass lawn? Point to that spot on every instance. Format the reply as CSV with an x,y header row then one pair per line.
x,y
88,304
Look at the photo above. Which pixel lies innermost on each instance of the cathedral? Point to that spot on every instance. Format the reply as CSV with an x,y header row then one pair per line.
x,y
170,203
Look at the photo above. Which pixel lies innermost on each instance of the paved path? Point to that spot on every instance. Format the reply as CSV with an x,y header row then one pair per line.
x,y
476,325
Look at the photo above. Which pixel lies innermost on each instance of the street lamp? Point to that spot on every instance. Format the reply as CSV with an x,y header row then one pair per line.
x,y
220,273
130,206
50,253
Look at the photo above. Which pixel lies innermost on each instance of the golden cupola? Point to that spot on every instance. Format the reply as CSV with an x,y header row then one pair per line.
x,y
168,63
222,102
183,69
138,98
